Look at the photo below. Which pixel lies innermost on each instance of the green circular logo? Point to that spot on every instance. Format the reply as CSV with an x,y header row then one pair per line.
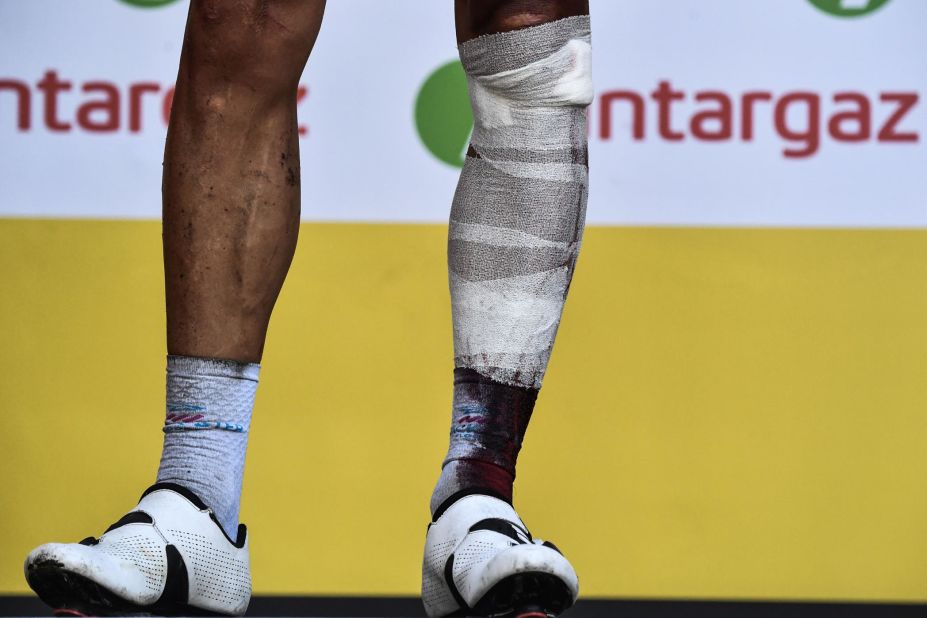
x,y
149,4
442,114
849,8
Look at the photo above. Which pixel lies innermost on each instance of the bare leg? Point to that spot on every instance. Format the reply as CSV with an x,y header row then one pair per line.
x,y
231,217
231,172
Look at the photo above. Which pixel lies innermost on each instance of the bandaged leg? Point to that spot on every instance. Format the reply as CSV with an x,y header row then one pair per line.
x,y
515,231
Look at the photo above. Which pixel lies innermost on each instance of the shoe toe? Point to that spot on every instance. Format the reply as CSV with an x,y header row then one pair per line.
x,y
119,575
529,559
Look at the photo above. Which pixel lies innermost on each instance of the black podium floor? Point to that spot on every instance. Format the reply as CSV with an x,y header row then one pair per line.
x,y
395,607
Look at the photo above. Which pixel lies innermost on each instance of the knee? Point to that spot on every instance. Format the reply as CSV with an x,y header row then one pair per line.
x,y
261,45
491,16
516,14
541,67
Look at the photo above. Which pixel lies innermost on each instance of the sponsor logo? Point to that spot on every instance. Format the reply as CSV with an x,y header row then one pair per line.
x,y
442,114
849,8
62,105
149,4
803,120
799,123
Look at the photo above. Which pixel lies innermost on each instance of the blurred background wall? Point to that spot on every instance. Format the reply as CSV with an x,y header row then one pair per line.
x,y
736,406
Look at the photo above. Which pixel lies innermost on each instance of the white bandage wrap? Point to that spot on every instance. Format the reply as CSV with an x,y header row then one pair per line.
x,y
518,214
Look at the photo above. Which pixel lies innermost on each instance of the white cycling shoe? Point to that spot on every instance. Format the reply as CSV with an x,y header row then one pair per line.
x,y
480,560
168,556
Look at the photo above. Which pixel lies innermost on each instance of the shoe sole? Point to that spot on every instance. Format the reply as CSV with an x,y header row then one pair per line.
x,y
71,594
525,595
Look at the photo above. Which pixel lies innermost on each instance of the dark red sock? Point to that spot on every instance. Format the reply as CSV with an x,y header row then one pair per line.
x,y
488,423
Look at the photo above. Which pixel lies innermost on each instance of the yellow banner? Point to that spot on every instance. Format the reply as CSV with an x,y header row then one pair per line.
x,y
729,413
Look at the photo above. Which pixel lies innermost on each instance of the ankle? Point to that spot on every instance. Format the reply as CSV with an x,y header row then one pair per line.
x,y
463,477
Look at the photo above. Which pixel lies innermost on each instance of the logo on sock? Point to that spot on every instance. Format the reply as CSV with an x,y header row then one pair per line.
x,y
849,8
442,114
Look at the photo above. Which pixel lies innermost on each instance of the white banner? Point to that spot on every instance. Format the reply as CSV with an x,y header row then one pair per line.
x,y
709,112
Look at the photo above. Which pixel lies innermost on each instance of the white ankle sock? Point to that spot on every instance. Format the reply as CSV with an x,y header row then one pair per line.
x,y
209,403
